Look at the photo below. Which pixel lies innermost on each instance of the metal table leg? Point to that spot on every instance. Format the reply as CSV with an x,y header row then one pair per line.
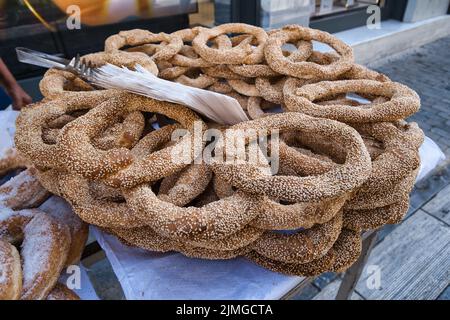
x,y
352,275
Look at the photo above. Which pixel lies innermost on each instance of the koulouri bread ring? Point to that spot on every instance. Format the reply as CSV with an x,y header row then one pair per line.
x,y
121,58
188,58
58,82
120,167
33,119
305,69
114,213
398,160
335,182
344,253
243,53
402,102
137,37
369,219
271,89
215,220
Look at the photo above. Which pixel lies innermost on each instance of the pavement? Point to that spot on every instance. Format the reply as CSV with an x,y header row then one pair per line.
x,y
426,70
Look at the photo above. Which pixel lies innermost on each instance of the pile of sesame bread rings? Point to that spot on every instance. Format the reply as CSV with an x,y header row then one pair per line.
x,y
347,158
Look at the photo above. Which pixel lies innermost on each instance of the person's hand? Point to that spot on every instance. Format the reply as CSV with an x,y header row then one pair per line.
x,y
19,97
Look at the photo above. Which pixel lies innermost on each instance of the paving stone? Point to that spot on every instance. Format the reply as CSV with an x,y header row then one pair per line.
x,y
426,71
105,281
445,295
307,293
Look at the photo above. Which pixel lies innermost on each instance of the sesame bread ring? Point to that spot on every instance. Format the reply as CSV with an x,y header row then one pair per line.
x,y
196,80
243,53
187,185
342,255
397,164
222,71
121,58
216,220
124,134
187,57
333,183
304,69
57,83
32,120
118,166
357,71
245,88
147,238
304,50
221,87
289,216
10,271
171,73
382,197
271,89
296,215
302,162
368,219
61,292
113,213
302,246
253,70
75,151
104,212
137,37
402,103
100,212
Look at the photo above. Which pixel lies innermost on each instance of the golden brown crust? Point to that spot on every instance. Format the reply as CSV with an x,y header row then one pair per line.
x,y
301,98
335,182
10,271
243,53
61,292
94,148
302,68
44,252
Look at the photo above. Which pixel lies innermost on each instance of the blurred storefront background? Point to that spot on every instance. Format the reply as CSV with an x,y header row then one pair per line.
x,y
42,24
